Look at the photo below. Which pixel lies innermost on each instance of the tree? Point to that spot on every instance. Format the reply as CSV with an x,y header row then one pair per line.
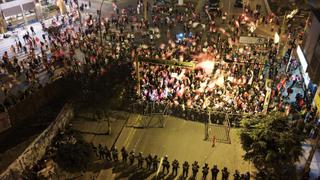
x,y
74,157
271,143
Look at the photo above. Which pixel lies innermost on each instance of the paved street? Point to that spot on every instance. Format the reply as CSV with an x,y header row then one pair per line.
x,y
180,139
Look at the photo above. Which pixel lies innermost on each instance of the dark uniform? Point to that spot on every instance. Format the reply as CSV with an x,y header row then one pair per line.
x,y
155,162
131,157
205,171
100,149
214,172
149,161
107,153
195,169
95,150
185,169
115,154
175,166
247,176
140,160
236,175
124,154
225,173
165,165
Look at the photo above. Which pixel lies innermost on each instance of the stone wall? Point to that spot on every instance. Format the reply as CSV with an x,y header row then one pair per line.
x,y
36,150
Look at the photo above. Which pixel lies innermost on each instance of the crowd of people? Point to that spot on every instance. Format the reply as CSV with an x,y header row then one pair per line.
x,y
227,75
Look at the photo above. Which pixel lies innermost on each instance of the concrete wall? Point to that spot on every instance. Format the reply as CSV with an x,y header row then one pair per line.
x,y
36,150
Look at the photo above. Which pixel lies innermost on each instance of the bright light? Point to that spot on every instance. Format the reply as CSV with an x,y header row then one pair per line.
x,y
207,66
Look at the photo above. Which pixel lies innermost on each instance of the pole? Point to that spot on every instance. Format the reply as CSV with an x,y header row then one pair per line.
x,y
281,34
306,170
78,8
145,3
137,75
100,21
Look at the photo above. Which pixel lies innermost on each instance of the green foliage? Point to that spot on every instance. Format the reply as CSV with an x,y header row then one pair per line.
x,y
271,143
74,157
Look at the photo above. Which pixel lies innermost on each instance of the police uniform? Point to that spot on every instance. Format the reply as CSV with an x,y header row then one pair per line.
x,y
214,172
185,169
175,166
205,171
140,160
124,154
195,168
131,157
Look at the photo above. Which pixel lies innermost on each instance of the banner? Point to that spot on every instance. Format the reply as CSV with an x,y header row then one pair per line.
x,y
168,62
252,40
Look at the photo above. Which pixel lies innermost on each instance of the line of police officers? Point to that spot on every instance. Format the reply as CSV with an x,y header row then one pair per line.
x,y
153,162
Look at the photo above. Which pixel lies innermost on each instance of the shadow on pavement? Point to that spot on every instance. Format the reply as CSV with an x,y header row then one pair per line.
x,y
140,175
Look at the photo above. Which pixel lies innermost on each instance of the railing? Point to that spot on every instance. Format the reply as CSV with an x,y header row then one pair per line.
x,y
212,116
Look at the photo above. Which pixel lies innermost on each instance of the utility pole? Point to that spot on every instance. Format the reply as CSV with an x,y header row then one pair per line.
x,y
137,75
100,28
315,144
145,9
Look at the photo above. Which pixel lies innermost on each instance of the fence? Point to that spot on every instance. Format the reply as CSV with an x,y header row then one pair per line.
x,y
36,150
219,117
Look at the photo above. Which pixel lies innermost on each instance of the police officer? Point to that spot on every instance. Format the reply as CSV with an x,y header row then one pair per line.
x,y
175,166
107,153
247,176
124,154
115,153
214,172
205,171
225,173
131,157
100,149
140,160
165,165
149,161
236,175
155,162
195,169
185,167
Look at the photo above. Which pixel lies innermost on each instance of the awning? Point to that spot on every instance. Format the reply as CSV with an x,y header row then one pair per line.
x,y
28,6
11,11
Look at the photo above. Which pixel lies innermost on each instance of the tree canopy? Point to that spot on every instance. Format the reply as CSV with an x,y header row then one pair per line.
x,y
271,143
